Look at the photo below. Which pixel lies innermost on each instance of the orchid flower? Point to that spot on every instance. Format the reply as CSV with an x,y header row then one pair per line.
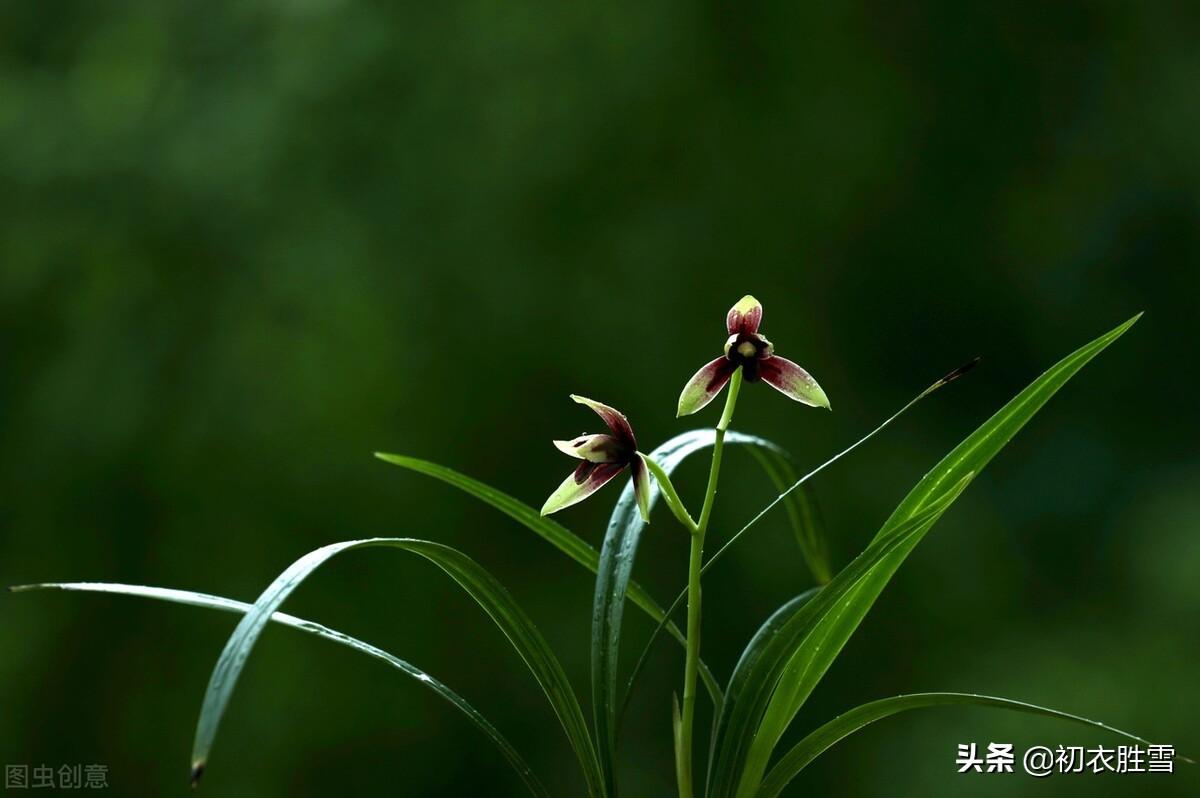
x,y
755,355
604,456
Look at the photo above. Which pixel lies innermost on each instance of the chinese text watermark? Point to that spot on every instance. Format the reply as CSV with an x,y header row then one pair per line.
x,y
1042,761
63,777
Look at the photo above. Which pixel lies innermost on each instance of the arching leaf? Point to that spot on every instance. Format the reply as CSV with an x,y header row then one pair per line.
x,y
476,581
194,599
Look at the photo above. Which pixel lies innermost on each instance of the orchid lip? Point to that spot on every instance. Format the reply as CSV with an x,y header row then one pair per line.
x,y
744,347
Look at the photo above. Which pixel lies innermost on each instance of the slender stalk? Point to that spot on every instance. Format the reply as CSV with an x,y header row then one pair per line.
x,y
637,668
683,756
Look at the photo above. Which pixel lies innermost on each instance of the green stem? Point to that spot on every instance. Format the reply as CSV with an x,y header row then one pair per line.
x,y
683,757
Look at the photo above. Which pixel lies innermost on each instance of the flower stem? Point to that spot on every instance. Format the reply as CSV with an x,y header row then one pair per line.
x,y
683,756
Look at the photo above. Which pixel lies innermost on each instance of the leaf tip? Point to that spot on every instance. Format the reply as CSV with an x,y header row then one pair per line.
x,y
197,772
1132,320
952,375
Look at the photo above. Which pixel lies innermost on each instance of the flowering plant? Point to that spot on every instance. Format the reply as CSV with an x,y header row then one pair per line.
x,y
781,664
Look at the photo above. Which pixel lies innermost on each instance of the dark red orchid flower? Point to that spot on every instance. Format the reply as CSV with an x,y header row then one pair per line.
x,y
604,456
754,354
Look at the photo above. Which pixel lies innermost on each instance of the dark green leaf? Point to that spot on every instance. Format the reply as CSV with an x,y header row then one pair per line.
x,y
548,529
826,634
476,581
617,556
820,740
229,605
802,512
760,673
805,506
749,662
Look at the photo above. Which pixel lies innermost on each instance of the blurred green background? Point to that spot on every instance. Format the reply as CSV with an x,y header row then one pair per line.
x,y
245,245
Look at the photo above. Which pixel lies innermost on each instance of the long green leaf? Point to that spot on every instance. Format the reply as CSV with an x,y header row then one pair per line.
x,y
802,513
474,579
760,674
797,511
617,557
822,642
229,605
821,739
751,659
548,529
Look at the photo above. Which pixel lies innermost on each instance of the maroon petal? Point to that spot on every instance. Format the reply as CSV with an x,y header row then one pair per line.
x,y
792,381
704,385
615,420
583,482
744,317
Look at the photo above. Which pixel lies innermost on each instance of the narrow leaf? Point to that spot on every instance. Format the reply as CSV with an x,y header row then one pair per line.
x,y
475,580
740,682
548,529
824,640
229,605
803,515
744,709
800,484
823,738
613,575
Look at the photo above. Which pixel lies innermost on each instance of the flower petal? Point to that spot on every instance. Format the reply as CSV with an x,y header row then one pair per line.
x,y
792,381
704,385
583,482
641,487
600,448
615,419
744,317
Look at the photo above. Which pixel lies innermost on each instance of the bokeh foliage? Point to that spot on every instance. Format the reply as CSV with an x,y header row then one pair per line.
x,y
243,246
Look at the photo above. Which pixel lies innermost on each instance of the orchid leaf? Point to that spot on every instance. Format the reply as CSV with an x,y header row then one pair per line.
x,y
802,512
473,578
759,672
826,630
828,735
749,662
548,529
230,605
613,578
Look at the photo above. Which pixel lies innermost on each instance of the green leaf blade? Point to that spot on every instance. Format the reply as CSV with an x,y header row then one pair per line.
x,y
742,681
744,713
475,580
192,598
548,529
825,641
617,556
800,505
986,442
828,735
